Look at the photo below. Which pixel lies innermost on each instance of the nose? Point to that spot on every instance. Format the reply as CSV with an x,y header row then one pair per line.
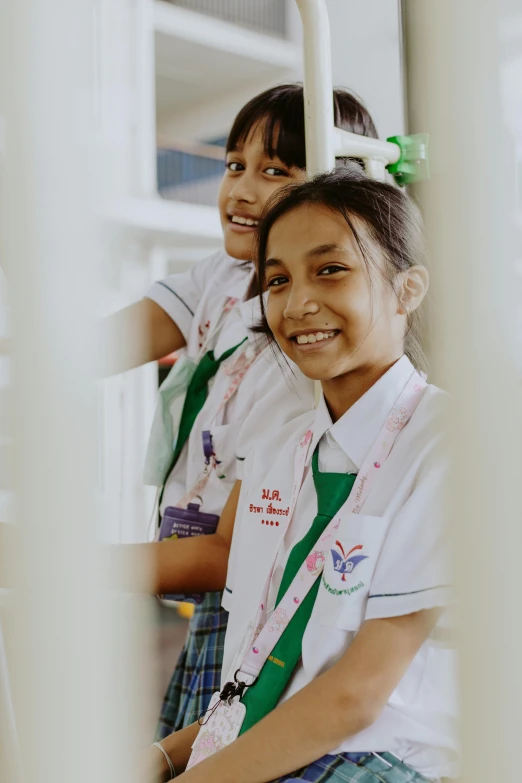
x,y
243,189
300,303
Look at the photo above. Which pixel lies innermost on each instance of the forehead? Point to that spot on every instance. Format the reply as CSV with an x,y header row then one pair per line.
x,y
309,226
259,139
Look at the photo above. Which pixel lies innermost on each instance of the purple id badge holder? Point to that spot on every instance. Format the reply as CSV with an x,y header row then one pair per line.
x,y
186,522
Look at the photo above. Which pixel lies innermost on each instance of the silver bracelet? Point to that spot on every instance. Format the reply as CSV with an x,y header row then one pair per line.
x,y
159,746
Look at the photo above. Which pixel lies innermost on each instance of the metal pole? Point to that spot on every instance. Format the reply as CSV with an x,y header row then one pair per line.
x,y
318,88
454,53
324,142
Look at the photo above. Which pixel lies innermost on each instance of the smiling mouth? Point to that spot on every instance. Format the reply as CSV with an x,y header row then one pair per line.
x,y
314,337
239,220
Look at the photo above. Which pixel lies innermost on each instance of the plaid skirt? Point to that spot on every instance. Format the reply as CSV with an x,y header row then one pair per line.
x,y
356,768
198,671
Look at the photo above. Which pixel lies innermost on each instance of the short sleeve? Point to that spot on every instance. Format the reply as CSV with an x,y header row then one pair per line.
x,y
179,295
283,394
414,571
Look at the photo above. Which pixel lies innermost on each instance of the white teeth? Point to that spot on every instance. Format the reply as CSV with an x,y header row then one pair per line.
x,y
244,221
303,339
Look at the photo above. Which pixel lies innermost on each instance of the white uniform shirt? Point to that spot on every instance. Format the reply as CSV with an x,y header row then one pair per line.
x,y
195,301
406,569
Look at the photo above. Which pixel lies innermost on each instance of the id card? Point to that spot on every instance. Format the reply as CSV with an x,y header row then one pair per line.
x,y
220,729
184,523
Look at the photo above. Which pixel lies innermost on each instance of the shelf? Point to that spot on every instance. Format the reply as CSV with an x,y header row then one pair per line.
x,y
171,222
199,57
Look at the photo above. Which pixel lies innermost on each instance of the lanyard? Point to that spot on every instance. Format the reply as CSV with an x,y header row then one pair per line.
x,y
213,334
271,629
237,369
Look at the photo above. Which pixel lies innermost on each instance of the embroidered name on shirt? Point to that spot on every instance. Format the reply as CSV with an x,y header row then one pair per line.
x,y
270,510
348,591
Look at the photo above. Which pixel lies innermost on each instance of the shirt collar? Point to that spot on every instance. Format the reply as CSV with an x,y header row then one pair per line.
x,y
357,429
234,285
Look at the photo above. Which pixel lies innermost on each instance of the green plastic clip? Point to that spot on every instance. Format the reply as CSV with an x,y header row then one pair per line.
x,y
412,165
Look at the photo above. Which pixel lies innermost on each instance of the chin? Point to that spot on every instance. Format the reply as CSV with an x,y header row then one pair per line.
x,y
314,372
323,370
242,251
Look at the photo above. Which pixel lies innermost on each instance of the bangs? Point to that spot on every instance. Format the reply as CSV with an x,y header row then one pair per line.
x,y
279,116
278,113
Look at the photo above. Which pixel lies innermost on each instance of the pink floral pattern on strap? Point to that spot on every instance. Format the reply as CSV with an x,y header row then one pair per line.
x,y
305,440
279,620
397,419
210,743
315,562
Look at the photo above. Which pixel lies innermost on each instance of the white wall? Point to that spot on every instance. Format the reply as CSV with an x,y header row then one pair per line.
x,y
365,57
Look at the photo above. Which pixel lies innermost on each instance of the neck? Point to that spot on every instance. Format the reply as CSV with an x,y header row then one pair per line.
x,y
342,392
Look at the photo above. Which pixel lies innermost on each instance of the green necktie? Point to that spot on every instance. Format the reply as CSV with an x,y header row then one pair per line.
x,y
332,492
195,397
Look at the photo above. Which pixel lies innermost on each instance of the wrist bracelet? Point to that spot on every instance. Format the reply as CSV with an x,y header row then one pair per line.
x,y
160,747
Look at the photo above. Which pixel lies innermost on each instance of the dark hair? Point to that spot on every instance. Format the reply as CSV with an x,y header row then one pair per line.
x,y
280,111
280,114
389,219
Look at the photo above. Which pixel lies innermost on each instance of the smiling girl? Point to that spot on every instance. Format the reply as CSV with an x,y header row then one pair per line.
x,y
204,311
337,662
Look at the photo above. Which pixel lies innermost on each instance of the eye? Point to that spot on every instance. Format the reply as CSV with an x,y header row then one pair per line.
x,y
233,165
273,171
332,269
277,281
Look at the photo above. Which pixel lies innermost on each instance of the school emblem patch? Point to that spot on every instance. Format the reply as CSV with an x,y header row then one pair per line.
x,y
345,563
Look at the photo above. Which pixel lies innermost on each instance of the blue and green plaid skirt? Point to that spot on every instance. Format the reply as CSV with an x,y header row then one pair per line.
x,y
356,768
198,670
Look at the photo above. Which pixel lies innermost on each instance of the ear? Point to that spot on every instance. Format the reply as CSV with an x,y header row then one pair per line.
x,y
412,287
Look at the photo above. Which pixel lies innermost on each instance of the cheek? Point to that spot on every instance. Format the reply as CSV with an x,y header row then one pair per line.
x,y
224,189
267,189
354,302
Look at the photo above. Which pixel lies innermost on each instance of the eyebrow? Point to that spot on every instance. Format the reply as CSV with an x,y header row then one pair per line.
x,y
315,252
272,262
323,250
